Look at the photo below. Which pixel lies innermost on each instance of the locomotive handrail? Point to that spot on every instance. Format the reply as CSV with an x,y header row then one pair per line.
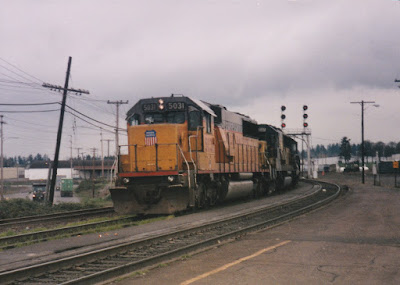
x,y
187,164
191,157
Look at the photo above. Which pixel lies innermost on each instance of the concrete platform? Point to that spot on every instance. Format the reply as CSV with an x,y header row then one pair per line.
x,y
55,249
354,240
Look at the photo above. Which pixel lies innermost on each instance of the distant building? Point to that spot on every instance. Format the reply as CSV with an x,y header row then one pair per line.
x,y
83,169
13,172
40,170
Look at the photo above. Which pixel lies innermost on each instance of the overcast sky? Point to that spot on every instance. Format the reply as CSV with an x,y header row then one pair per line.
x,y
251,56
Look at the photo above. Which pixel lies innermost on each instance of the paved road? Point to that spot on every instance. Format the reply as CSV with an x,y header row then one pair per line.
x,y
26,193
355,240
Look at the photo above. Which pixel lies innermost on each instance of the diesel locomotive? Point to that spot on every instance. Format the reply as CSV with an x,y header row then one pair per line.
x,y
185,153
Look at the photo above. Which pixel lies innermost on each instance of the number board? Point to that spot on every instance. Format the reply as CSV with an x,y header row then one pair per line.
x,y
395,164
175,106
149,107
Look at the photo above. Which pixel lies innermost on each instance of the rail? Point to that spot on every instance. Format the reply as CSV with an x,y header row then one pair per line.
x,y
100,265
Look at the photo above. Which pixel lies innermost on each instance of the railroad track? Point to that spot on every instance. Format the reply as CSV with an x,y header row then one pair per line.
x,y
107,263
53,221
9,223
9,242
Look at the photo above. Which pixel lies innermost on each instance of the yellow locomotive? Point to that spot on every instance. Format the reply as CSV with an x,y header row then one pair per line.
x,y
185,153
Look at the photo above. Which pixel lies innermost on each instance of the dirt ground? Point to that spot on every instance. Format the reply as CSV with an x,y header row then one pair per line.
x,y
354,179
353,240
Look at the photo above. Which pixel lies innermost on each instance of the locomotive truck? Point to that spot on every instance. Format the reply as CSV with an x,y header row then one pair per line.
x,y
185,153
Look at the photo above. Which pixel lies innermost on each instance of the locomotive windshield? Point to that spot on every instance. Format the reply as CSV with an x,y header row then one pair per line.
x,y
169,117
134,120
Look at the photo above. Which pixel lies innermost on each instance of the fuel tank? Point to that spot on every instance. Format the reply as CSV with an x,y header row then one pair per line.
x,y
238,189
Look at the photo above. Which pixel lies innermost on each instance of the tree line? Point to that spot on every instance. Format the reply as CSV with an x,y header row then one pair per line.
x,y
346,150
23,161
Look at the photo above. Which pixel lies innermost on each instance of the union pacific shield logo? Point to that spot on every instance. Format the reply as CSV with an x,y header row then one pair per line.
x,y
150,138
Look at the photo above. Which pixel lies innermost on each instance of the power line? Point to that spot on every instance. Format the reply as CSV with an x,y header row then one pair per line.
x,y
29,123
15,73
30,104
41,111
83,120
92,118
21,70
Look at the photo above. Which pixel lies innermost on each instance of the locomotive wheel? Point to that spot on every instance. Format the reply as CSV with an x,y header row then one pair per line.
x,y
211,194
259,189
271,187
201,197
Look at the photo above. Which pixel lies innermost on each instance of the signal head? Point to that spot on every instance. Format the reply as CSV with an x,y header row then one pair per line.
x,y
305,116
283,116
305,125
283,125
283,108
305,107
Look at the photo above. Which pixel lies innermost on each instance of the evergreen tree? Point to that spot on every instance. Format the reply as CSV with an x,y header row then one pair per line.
x,y
345,149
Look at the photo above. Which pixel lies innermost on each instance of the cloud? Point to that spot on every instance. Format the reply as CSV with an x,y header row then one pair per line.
x,y
251,56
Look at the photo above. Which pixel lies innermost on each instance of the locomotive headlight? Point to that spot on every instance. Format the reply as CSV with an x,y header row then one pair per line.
x,y
161,107
161,101
171,179
125,180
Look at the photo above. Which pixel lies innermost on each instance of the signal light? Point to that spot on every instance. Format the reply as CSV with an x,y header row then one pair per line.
x,y
283,116
305,116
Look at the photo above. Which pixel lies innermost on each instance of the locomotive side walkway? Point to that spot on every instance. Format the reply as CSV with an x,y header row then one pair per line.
x,y
354,240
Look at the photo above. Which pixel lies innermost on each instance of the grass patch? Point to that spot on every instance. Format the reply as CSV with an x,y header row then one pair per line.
x,y
162,265
16,208
152,220
8,233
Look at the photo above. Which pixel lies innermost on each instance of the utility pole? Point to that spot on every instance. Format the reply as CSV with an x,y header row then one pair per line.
x,y
102,154
362,136
108,147
1,158
117,124
72,177
83,166
78,148
60,125
93,172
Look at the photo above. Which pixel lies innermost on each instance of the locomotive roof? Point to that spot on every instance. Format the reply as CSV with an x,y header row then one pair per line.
x,y
202,105
137,109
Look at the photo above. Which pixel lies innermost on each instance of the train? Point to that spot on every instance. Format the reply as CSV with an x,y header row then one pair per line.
x,y
185,153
